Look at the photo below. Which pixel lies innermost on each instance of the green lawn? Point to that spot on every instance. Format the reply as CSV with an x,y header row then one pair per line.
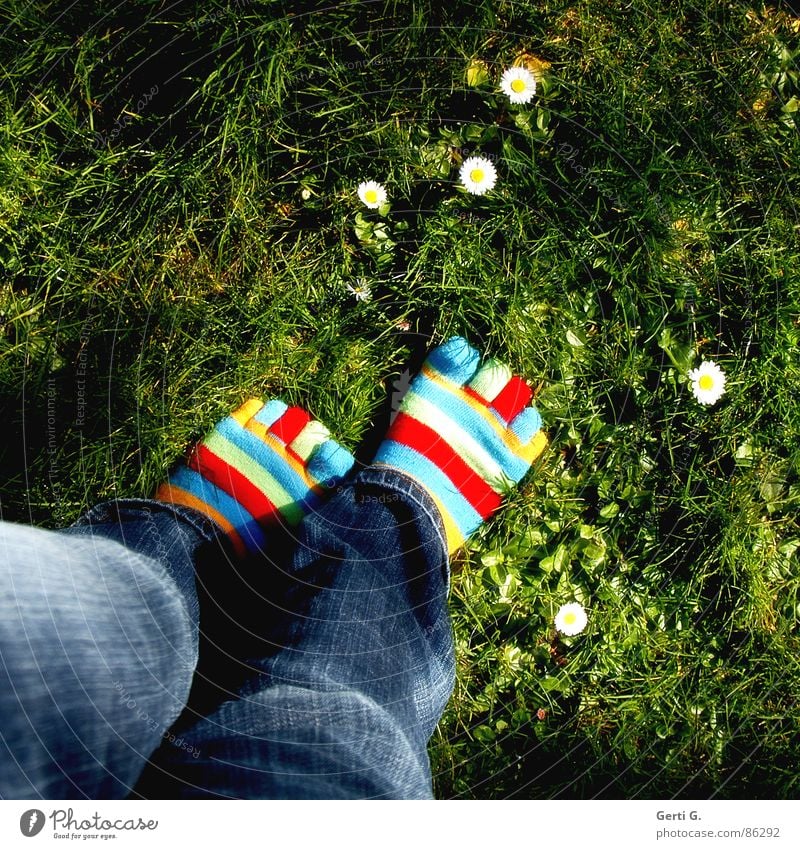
x,y
179,229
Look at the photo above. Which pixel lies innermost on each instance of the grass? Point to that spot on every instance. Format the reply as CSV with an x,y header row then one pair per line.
x,y
178,230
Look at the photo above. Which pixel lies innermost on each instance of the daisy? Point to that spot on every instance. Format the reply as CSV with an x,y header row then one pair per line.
x,y
518,84
478,175
372,194
708,382
361,291
571,619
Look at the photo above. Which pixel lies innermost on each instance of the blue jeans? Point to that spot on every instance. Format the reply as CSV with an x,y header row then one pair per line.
x,y
137,659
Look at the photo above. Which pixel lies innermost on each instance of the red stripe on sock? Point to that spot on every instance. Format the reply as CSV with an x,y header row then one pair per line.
x,y
408,431
232,481
290,424
513,398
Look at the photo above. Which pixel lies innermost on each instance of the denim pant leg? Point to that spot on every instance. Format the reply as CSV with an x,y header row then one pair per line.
x,y
358,666
98,644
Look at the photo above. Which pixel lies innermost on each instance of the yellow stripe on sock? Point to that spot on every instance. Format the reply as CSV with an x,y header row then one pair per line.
x,y
455,539
535,447
247,410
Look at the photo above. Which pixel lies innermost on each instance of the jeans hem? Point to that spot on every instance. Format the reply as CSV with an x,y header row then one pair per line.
x,y
109,511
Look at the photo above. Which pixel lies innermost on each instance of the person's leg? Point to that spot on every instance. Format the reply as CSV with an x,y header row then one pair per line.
x,y
99,621
98,644
356,669
358,659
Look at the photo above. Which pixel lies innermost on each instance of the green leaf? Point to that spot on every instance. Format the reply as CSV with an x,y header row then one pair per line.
x,y
484,734
542,119
681,354
791,105
610,510
363,228
492,558
523,121
509,588
473,133
744,454
576,338
593,551
498,574
477,73
561,557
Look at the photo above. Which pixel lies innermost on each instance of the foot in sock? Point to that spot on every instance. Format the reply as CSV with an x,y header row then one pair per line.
x,y
263,463
466,434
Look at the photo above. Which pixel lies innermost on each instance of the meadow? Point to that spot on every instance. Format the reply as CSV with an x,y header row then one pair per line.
x,y
180,229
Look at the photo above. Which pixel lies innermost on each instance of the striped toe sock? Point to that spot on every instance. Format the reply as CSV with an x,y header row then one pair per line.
x,y
262,463
465,432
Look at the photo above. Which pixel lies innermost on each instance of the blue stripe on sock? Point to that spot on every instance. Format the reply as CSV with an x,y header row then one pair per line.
x,y
271,412
471,422
527,424
273,463
246,526
432,478
311,503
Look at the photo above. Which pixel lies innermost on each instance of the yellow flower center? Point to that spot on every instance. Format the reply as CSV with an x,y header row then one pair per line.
x,y
517,86
706,382
371,196
569,618
476,175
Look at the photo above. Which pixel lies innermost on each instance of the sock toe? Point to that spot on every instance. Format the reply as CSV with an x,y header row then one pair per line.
x,y
527,424
271,412
456,360
490,379
247,411
312,435
330,462
287,428
465,434
512,399
262,463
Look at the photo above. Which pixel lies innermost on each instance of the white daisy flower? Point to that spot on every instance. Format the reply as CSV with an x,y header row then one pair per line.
x,y
372,194
708,382
478,175
361,291
519,84
571,619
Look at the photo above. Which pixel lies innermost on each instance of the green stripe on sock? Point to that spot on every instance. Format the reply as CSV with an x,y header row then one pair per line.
x,y
257,474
